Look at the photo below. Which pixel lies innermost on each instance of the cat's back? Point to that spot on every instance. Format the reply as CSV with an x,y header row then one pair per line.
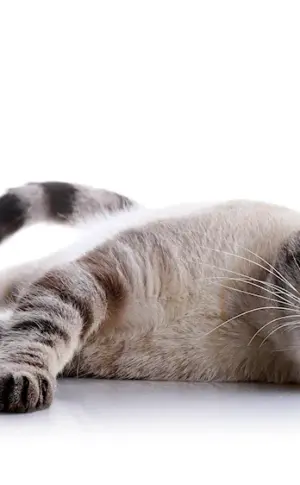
x,y
188,228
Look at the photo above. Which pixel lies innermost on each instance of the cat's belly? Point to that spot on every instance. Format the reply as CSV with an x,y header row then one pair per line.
x,y
192,347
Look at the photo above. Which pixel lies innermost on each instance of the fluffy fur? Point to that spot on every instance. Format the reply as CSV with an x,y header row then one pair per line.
x,y
191,293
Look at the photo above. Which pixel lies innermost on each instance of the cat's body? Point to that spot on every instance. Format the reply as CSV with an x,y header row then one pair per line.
x,y
194,293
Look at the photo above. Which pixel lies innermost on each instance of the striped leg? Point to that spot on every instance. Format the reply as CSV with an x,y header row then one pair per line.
x,y
48,325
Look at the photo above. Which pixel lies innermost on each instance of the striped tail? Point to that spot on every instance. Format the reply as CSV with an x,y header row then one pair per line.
x,y
55,201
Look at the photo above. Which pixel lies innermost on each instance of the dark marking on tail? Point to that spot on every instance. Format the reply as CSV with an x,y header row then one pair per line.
x,y
61,199
13,214
61,202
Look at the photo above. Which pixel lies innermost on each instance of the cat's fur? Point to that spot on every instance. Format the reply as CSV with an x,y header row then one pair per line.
x,y
192,293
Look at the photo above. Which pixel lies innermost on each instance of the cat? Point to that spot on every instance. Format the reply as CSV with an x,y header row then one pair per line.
x,y
193,293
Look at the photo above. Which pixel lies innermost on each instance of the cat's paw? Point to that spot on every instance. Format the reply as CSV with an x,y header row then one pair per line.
x,y
23,391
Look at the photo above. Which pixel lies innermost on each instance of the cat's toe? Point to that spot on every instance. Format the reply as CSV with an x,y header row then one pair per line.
x,y
23,391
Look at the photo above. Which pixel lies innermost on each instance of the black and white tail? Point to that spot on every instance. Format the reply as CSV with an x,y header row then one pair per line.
x,y
55,201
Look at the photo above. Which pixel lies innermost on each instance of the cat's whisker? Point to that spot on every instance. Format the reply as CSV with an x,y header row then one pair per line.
x,y
248,280
296,262
285,349
282,299
273,269
252,262
243,314
256,295
269,323
279,291
295,324
246,277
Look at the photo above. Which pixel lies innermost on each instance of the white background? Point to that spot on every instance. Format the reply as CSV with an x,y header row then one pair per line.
x,y
165,101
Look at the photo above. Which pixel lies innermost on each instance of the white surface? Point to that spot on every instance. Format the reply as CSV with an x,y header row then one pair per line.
x,y
102,406
155,432
165,101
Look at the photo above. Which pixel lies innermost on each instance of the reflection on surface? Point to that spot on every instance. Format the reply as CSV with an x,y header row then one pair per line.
x,y
96,405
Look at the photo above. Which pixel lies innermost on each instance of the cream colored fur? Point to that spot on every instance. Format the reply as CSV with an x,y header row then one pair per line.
x,y
191,269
